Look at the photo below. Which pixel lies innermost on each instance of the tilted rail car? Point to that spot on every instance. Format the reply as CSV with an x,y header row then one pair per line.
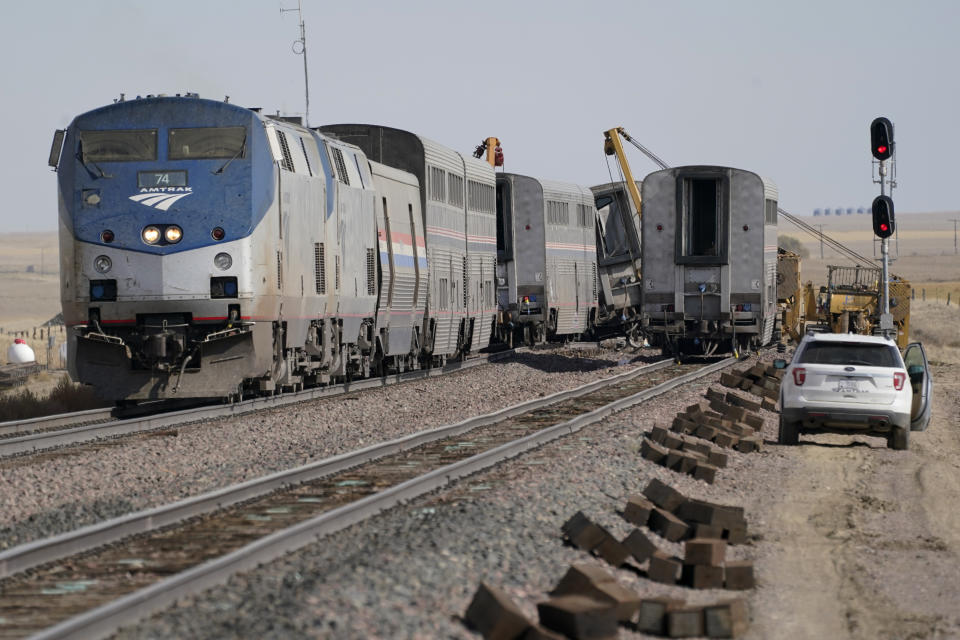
x,y
619,263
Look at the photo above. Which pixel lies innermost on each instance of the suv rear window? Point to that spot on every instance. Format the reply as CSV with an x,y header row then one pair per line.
x,y
853,353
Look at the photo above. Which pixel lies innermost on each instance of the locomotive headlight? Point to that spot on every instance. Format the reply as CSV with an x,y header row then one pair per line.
x,y
102,264
223,261
173,233
151,235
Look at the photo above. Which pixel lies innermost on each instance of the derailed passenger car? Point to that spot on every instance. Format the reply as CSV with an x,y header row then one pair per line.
x,y
709,259
618,263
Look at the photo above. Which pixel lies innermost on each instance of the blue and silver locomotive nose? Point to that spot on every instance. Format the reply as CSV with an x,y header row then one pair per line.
x,y
159,201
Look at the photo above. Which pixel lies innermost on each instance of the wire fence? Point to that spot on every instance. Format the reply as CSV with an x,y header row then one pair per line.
x,y
47,342
950,296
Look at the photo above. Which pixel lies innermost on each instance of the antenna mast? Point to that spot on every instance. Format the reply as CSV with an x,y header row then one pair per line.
x,y
300,48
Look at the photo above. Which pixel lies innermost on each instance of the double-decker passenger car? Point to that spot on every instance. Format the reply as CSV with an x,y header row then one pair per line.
x,y
546,258
709,259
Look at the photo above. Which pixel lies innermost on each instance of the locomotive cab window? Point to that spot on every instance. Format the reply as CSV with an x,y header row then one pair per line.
x,y
206,143
118,146
702,212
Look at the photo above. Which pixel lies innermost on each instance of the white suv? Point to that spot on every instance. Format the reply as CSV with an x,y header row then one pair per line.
x,y
847,383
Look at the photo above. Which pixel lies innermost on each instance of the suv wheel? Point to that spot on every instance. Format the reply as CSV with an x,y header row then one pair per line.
x,y
789,432
899,438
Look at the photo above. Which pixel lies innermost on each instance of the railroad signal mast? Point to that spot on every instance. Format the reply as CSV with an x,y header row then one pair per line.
x,y
882,146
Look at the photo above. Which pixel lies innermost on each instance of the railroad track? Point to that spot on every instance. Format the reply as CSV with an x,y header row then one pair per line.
x,y
46,423
196,543
42,434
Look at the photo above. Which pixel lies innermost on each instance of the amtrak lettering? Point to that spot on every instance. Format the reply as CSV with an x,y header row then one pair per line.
x,y
161,197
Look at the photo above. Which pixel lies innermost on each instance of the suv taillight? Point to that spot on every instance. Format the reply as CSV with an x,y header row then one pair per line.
x,y
899,377
799,376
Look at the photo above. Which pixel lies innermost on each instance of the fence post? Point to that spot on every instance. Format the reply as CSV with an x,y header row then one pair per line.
x,y
923,294
948,298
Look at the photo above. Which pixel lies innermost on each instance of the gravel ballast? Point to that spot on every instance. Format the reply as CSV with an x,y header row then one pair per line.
x,y
91,483
412,571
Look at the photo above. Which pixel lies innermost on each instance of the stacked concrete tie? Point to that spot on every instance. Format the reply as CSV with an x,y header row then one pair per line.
x,y
728,421
760,380
588,602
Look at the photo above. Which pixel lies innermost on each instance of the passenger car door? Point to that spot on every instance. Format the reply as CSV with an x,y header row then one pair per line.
x,y
921,383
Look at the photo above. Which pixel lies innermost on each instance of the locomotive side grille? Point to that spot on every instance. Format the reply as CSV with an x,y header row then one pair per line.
x,y
371,272
279,270
306,157
336,274
320,267
285,150
341,167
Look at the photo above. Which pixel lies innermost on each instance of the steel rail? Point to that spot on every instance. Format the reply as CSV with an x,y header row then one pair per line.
x,y
36,442
56,420
23,557
106,619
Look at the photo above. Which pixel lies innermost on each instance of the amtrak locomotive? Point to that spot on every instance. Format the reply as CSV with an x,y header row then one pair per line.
x,y
209,250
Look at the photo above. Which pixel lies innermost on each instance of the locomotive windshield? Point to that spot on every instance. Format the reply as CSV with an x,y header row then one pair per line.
x,y
118,146
206,143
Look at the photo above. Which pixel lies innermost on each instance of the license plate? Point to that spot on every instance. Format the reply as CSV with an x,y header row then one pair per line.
x,y
848,386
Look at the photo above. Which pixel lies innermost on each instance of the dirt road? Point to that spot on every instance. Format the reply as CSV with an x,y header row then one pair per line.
x,y
860,541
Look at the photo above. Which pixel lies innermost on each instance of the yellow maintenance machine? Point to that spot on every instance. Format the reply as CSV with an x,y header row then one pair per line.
x,y
851,302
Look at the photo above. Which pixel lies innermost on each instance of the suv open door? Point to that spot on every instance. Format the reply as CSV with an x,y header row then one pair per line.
x,y
915,359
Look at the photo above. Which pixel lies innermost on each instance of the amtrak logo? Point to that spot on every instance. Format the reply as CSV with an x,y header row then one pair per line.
x,y
161,197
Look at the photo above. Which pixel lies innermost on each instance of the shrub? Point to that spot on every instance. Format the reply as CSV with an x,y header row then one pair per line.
x,y
66,397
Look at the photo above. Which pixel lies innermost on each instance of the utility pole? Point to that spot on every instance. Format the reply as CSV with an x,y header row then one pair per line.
x,y
954,221
821,240
300,48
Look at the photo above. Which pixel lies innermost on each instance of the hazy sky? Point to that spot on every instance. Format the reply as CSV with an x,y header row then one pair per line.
x,y
786,89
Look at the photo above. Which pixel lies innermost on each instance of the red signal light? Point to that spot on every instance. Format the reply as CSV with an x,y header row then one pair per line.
x,y
884,226
882,149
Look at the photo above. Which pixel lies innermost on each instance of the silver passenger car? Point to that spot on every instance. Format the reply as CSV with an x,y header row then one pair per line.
x,y
546,258
457,204
709,259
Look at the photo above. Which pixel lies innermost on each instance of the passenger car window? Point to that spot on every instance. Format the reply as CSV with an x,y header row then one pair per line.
x,y
850,353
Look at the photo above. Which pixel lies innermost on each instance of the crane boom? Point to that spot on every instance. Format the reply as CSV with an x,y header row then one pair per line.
x,y
613,146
